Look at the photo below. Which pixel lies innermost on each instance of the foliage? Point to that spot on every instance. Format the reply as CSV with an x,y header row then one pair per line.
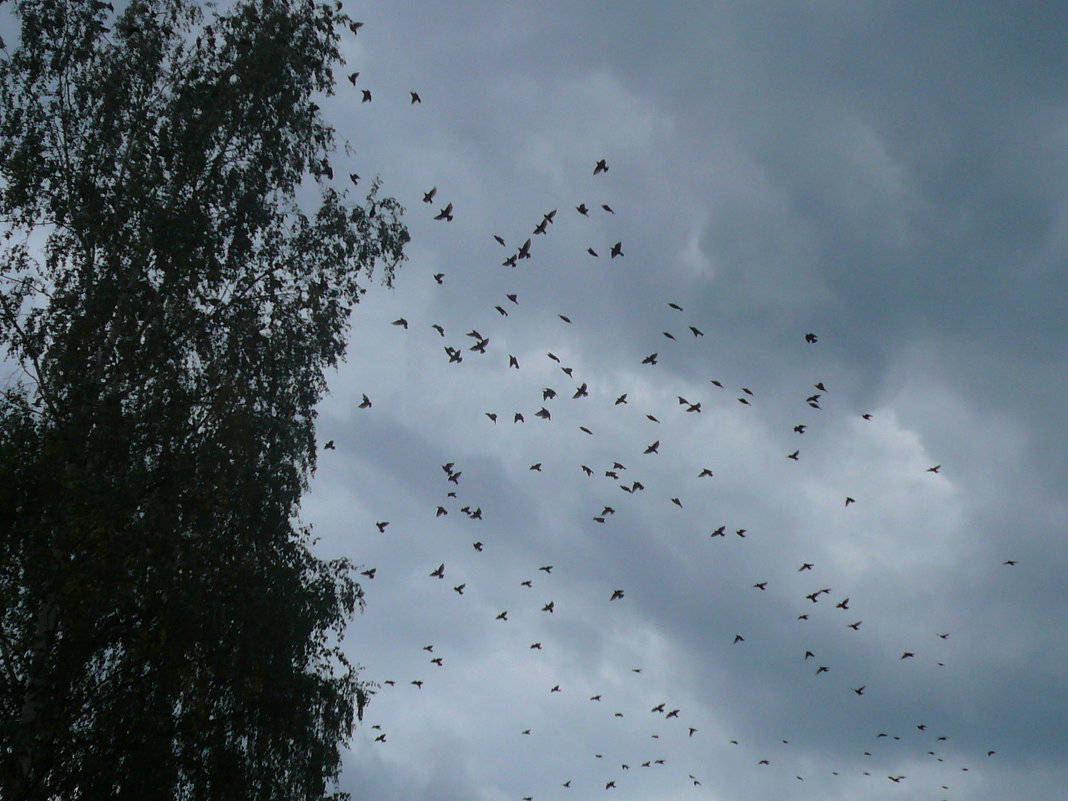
x,y
165,631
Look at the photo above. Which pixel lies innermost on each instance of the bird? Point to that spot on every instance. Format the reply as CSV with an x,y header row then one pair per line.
x,y
617,250
415,97
440,278
352,77
859,690
382,525
503,615
793,455
369,573
616,594
650,359
354,178
761,585
696,331
805,566
849,500
705,472
738,638
621,399
439,571
428,196
934,469
400,322
445,213
800,429
565,318
811,339
329,446
459,589
607,208
654,448
599,167
548,607
366,96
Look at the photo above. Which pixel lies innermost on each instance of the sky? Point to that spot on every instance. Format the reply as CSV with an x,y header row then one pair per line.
x,y
888,176
841,573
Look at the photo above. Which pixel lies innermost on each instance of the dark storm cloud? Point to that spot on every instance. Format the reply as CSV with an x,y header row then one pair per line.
x,y
888,176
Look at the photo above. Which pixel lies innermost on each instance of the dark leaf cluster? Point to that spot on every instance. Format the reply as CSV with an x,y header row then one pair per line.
x,y
165,629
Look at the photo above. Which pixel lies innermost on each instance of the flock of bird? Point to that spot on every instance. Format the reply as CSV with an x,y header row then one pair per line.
x,y
626,473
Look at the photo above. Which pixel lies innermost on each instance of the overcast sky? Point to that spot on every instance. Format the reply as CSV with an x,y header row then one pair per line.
x,y
889,176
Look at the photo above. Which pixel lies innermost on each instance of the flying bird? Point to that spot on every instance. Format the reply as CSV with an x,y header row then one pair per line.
x,y
445,214
599,167
366,96
439,571
415,97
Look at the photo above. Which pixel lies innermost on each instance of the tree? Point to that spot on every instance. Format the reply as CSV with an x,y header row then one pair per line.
x,y
165,630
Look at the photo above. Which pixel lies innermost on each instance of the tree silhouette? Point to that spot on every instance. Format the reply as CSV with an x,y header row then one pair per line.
x,y
165,631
